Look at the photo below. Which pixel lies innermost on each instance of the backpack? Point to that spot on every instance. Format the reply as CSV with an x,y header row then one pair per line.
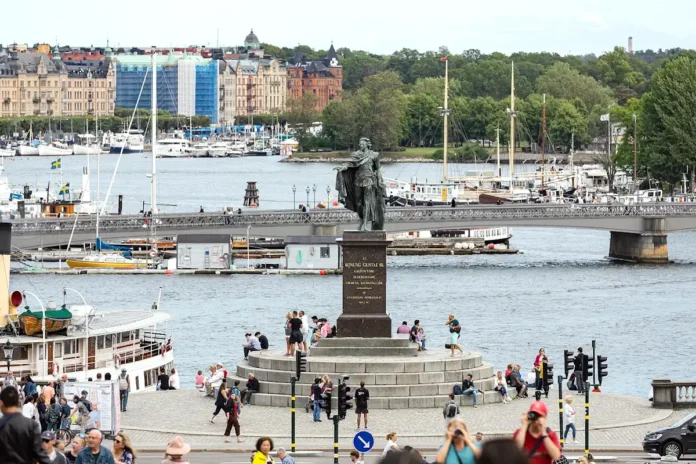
x,y
457,390
123,383
87,404
54,415
451,410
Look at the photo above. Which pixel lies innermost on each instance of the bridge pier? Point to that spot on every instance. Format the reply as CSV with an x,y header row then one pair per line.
x,y
326,229
648,247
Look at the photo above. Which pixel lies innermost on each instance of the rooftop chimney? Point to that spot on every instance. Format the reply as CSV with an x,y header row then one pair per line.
x,y
630,45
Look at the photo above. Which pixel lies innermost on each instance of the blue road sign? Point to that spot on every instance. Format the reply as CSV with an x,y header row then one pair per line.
x,y
363,441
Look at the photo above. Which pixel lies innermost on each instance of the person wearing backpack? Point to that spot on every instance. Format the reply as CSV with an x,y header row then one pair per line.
x,y
451,410
53,416
82,408
536,439
123,389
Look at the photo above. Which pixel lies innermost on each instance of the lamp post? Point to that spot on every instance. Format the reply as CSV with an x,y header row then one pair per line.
x,y
314,189
248,260
328,197
308,196
294,190
8,351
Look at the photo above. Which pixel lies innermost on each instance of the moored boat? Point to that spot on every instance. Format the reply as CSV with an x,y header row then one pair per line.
x,y
107,261
32,322
55,149
28,150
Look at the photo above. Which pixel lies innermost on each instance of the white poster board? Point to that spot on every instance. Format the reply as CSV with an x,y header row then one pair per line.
x,y
105,399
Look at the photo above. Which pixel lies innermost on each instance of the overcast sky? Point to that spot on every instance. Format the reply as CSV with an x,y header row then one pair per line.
x,y
380,26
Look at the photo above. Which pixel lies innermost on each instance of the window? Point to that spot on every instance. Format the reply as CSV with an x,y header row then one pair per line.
x,y
108,341
100,343
58,350
325,252
70,347
41,352
20,353
137,383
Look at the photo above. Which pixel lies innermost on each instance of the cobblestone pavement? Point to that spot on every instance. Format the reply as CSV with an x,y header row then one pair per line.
x,y
154,417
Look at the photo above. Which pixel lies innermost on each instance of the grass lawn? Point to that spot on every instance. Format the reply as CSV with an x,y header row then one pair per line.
x,y
410,152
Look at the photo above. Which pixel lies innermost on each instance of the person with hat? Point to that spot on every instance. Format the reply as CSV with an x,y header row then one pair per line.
x,y
123,389
175,452
536,439
48,440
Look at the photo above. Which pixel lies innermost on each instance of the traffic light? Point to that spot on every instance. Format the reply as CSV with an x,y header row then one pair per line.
x,y
569,362
344,398
601,368
588,368
548,375
300,363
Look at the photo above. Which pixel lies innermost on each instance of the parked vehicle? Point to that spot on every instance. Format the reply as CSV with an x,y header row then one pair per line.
x,y
677,440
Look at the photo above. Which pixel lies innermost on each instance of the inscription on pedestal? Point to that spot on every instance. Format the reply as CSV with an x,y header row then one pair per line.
x,y
364,285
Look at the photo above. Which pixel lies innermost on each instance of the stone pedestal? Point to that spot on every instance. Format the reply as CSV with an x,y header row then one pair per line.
x,y
649,246
364,285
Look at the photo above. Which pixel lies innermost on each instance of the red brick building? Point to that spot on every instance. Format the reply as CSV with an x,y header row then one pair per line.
x,y
323,77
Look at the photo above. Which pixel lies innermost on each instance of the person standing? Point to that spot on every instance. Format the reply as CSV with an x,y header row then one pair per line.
x,y
458,448
53,416
304,330
42,409
569,419
123,389
175,452
327,389
28,409
123,449
48,440
95,453
76,446
455,329
362,396
295,333
82,408
580,364
288,316
20,437
534,438
232,410
538,367
48,392
316,395
65,414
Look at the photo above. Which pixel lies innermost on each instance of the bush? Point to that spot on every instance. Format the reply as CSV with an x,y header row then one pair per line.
x,y
467,152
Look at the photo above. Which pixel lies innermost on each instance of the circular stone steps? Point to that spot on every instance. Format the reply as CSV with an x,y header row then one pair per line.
x,y
395,382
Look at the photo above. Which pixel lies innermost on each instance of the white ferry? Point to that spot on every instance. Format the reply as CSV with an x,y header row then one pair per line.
x,y
81,342
131,141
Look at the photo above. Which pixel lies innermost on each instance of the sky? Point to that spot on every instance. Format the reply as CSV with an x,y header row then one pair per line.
x,y
380,26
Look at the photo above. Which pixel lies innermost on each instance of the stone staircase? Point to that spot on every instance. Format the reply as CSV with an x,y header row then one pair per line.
x,y
395,373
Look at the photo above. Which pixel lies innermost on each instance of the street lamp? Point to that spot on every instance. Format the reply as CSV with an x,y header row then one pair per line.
x,y
308,196
328,197
294,189
314,189
8,351
248,259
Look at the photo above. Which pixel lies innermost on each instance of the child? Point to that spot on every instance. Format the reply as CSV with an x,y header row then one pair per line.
x,y
420,339
569,418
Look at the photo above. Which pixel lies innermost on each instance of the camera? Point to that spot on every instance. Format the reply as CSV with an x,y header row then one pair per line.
x,y
532,416
458,433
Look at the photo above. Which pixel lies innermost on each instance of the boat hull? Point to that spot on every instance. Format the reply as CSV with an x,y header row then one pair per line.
x,y
26,150
6,152
86,150
80,264
47,150
32,325
117,150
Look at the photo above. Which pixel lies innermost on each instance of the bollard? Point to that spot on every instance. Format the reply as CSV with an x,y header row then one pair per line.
x,y
335,421
587,418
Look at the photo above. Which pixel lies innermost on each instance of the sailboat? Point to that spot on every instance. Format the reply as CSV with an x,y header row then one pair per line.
x,y
87,143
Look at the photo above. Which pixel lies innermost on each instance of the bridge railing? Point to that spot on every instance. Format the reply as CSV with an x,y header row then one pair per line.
x,y
134,223
673,394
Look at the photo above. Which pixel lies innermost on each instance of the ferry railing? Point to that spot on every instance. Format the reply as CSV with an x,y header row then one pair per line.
x,y
164,222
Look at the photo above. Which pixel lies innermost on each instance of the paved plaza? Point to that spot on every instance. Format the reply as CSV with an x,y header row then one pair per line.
x,y
153,418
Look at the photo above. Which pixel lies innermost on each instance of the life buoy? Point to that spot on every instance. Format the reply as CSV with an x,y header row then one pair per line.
x,y
117,360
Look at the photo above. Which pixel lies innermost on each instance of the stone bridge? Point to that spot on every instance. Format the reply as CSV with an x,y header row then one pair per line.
x,y
638,232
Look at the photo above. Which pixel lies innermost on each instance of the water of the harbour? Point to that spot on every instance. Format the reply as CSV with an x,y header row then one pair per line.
x,y
560,293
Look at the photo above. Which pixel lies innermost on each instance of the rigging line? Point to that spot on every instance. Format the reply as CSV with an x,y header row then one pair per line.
x,y
130,126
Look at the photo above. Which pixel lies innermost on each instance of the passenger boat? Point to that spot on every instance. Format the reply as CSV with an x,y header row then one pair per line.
x,y
218,149
172,148
55,149
7,152
87,145
130,141
32,323
108,261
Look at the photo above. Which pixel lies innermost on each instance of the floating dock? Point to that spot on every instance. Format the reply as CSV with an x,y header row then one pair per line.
x,y
33,271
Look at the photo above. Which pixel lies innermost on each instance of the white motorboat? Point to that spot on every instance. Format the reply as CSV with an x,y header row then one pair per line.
x,y
28,150
198,150
172,148
55,149
218,149
131,141
87,145
7,151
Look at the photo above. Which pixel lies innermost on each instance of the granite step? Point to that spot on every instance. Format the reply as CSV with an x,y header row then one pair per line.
x,y
437,401
482,371
391,390
368,351
348,342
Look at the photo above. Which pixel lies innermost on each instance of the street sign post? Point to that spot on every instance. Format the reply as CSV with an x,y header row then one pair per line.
x,y
363,441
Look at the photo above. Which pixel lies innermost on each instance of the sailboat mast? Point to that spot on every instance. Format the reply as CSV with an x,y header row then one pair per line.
x,y
512,124
446,111
153,191
497,141
543,139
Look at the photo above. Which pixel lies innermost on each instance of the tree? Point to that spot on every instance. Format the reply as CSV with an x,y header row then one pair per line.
x,y
562,81
359,65
301,114
669,120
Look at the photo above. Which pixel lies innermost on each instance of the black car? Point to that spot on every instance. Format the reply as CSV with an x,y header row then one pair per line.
x,y
677,440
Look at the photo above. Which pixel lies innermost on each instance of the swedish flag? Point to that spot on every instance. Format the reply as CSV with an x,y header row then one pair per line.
x,y
55,164
65,190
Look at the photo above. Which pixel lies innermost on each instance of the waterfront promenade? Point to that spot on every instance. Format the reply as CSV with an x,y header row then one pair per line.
x,y
153,418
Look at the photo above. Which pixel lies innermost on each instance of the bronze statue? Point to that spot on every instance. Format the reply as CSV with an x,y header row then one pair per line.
x,y
361,188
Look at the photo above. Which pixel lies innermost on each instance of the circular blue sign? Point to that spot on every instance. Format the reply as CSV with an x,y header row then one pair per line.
x,y
363,441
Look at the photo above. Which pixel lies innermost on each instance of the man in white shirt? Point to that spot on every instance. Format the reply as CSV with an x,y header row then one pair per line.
x,y
304,329
174,383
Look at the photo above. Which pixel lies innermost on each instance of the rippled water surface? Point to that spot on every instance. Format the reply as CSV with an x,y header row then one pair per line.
x,y
561,293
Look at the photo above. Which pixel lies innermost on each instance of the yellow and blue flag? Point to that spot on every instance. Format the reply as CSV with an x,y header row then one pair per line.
x,y
65,190
55,164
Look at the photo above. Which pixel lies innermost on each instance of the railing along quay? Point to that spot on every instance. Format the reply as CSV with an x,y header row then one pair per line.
x,y
342,216
674,393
